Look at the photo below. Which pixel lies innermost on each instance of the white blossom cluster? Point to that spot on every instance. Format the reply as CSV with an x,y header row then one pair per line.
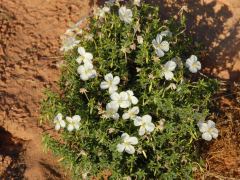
x,y
208,130
124,100
71,123
86,69
101,12
161,47
69,40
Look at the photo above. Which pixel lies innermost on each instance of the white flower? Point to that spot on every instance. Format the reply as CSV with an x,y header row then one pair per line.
x,y
139,39
125,14
193,64
69,43
89,37
112,111
168,68
75,29
110,83
120,99
73,122
59,122
85,57
132,98
127,144
166,33
137,2
101,12
160,46
208,130
86,71
69,32
145,123
131,113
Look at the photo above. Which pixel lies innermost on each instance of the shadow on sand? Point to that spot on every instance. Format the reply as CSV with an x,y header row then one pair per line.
x,y
208,23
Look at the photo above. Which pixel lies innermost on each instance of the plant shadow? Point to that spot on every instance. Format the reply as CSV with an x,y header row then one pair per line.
x,y
214,25
11,148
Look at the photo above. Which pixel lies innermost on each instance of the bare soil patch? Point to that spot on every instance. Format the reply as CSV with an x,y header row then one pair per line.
x,y
223,155
29,56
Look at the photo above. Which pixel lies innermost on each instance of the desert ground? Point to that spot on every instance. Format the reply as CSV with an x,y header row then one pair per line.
x,y
30,33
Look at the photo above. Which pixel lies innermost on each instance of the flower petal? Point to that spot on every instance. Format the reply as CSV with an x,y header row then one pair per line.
x,y
193,69
138,121
214,133
135,109
79,59
76,118
159,52
147,118
203,127
70,128
125,116
116,80
115,116
150,127
120,147
58,117
81,51
104,85
125,136
154,43
141,131
89,56
198,65
168,75
112,105
125,104
108,77
88,65
62,123
77,126
211,124
133,140
112,89
84,77
134,100
165,46
69,119
207,136
194,58
130,149
130,92
159,38
80,69
170,65
115,96
57,126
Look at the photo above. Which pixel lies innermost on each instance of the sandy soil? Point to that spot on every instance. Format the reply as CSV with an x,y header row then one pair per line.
x,y
29,59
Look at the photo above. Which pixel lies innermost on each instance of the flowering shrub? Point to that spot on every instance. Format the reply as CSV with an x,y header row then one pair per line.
x,y
132,99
